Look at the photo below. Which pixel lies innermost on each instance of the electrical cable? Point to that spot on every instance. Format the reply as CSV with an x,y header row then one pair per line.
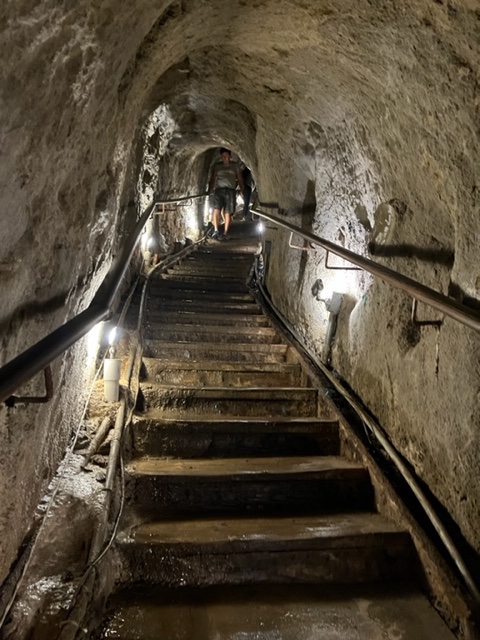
x,y
51,501
61,477
394,457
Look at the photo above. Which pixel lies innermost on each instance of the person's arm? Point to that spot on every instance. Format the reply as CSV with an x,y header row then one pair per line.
x,y
213,177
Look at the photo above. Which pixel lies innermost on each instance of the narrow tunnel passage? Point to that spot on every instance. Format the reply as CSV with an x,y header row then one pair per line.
x,y
359,123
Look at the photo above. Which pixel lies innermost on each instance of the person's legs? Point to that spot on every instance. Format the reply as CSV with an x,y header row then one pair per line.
x,y
216,222
227,223
218,204
230,201
216,218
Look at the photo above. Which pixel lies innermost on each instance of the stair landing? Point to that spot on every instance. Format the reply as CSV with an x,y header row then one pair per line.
x,y
274,613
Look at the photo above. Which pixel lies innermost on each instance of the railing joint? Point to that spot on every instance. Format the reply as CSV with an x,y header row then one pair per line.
x,y
47,374
328,266
422,323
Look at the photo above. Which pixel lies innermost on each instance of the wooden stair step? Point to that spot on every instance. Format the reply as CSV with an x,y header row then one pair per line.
x,y
200,281
199,305
210,333
197,318
331,549
186,293
212,284
299,611
208,373
252,401
248,485
236,437
229,352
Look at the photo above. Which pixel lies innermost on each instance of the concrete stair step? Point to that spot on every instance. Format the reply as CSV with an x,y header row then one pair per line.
x,y
232,352
203,296
186,317
336,548
224,334
285,401
274,612
215,438
197,304
224,279
167,486
235,265
235,484
209,373
228,250
203,279
210,270
219,262
220,256
196,284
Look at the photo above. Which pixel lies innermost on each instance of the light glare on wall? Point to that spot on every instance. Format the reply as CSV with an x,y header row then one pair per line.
x,y
93,339
339,281
145,240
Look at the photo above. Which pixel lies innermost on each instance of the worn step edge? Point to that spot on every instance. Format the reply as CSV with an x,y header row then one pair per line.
x,y
184,304
328,531
199,280
247,422
246,255
212,329
199,337
217,272
209,365
176,376
233,439
188,352
212,248
301,468
241,268
237,393
187,317
205,284
201,294
193,335
218,346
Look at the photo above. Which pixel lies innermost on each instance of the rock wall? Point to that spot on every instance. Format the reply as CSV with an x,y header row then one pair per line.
x,y
359,121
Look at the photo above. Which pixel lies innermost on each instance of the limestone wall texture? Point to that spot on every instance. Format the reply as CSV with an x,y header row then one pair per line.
x,y
359,120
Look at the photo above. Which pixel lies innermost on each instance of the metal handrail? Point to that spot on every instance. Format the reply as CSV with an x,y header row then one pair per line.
x,y
418,291
384,441
26,365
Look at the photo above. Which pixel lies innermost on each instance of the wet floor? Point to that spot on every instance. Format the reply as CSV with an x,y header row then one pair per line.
x,y
273,613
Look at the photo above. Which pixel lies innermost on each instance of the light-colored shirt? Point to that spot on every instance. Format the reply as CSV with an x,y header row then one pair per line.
x,y
226,175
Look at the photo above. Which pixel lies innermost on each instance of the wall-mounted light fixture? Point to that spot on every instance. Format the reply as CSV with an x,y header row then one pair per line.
x,y
147,254
332,301
332,305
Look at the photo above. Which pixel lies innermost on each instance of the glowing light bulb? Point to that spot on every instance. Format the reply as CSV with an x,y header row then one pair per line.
x,y
112,336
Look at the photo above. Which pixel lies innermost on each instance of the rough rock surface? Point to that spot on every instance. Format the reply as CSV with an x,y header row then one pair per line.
x,y
359,121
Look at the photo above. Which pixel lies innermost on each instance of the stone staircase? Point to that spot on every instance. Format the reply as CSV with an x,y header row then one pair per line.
x,y
236,484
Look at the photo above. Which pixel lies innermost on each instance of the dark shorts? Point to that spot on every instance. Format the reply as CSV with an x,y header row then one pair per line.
x,y
224,198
